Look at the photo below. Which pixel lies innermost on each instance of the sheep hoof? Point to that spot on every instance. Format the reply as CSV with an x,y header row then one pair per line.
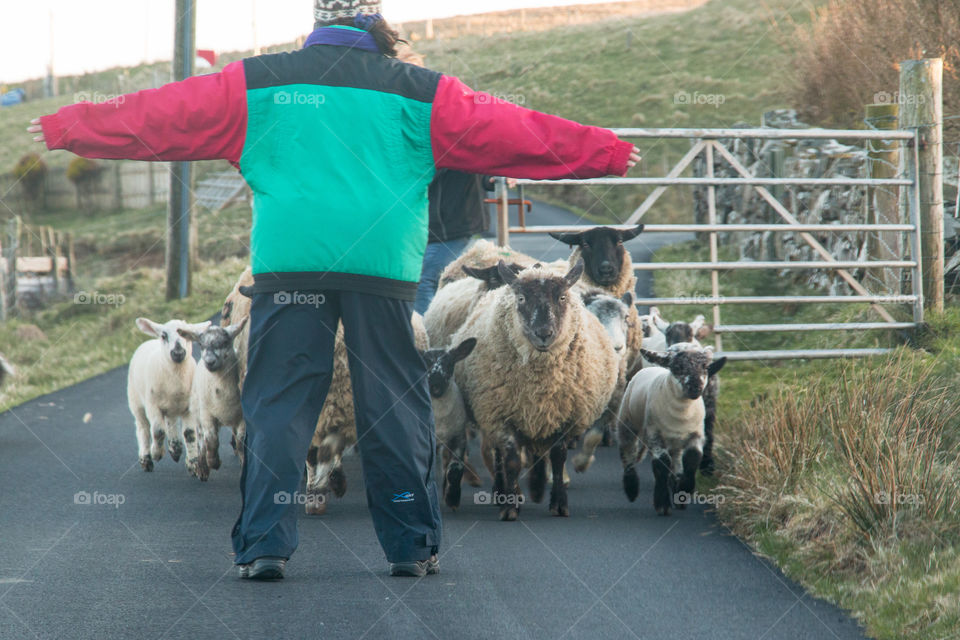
x,y
663,511
509,514
316,503
451,490
471,477
176,450
707,466
213,461
156,452
146,462
581,462
561,511
631,483
338,481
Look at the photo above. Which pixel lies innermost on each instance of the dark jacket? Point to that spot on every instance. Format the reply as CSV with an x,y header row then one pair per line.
x,y
457,209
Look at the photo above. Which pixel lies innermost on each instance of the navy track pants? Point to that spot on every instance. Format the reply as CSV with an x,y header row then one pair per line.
x,y
289,368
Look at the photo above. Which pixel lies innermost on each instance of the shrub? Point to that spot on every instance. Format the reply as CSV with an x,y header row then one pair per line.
x,y
84,173
850,53
30,172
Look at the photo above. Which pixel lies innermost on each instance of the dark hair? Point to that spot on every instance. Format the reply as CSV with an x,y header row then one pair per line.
x,y
385,36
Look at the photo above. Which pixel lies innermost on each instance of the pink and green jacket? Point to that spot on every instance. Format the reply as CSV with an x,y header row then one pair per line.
x,y
338,145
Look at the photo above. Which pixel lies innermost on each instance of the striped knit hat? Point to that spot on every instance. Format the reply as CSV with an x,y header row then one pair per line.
x,y
328,10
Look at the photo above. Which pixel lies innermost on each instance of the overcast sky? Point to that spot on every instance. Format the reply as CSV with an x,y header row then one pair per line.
x,y
90,35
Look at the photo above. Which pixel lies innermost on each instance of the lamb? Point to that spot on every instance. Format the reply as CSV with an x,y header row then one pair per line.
x,y
235,308
158,387
449,415
693,332
214,399
450,307
613,314
663,410
541,374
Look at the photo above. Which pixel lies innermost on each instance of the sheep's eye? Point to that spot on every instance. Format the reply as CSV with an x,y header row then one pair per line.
x,y
520,298
563,297
585,244
165,336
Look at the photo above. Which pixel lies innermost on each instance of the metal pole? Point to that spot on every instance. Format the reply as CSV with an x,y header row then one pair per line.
x,y
917,244
181,178
714,251
503,213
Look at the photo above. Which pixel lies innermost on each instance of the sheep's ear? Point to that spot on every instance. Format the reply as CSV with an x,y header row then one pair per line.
x,y
658,320
246,291
574,274
630,234
187,334
627,298
571,238
509,277
656,357
235,329
149,327
196,328
715,366
462,350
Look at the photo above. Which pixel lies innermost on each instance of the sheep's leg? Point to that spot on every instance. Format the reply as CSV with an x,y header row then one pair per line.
x,y
558,491
196,462
606,426
587,454
538,479
211,441
237,440
331,456
665,481
498,480
454,451
707,464
174,441
509,499
316,498
143,439
469,473
630,452
687,484
487,454
157,420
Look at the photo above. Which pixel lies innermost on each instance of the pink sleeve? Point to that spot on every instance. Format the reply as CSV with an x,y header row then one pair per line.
x,y
479,133
200,118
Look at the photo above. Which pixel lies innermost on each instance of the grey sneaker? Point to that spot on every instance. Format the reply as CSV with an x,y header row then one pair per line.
x,y
265,568
416,569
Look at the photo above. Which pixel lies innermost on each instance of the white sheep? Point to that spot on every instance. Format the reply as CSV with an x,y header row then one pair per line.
x,y
662,410
453,302
541,374
158,387
214,399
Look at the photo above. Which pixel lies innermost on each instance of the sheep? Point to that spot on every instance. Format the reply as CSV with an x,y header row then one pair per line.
x,y
449,415
235,308
6,369
481,254
214,399
541,374
613,314
693,332
662,410
158,387
450,307
336,427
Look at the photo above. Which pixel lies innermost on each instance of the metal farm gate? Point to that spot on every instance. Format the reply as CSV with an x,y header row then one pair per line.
x,y
711,144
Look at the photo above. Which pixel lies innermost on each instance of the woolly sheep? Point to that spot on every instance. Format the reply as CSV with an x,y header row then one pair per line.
x,y
662,410
235,308
158,387
541,374
214,399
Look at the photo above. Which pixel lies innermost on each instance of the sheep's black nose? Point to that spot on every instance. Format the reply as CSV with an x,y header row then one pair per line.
x,y
178,354
544,333
606,269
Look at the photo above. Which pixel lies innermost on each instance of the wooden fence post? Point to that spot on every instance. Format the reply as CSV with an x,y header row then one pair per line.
x,y
8,286
503,213
921,100
71,261
882,202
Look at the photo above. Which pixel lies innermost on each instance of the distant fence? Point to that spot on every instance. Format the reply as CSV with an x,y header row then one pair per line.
x,y
119,185
36,262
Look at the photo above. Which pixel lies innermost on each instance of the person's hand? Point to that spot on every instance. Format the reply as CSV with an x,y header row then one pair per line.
x,y
634,158
36,128
511,183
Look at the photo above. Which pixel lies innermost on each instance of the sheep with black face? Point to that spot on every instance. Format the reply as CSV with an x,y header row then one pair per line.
x,y
662,411
541,374
449,415
158,387
214,398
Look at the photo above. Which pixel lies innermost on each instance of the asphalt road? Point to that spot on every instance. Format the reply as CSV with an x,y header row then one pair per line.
x,y
149,556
